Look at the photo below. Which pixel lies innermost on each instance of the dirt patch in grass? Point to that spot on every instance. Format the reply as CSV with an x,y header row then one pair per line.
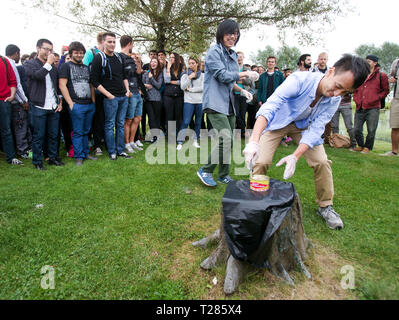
x,y
323,264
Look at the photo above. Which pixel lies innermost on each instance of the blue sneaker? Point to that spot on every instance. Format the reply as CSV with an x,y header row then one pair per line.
x,y
226,179
206,178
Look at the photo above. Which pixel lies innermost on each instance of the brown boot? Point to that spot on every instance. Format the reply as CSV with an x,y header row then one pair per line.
x,y
358,149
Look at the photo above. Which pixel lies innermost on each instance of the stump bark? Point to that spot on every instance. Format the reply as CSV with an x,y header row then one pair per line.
x,y
286,250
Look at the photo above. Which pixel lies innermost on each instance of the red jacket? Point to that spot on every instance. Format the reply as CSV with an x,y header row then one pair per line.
x,y
6,82
369,94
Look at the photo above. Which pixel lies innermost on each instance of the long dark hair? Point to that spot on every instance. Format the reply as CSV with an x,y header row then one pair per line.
x,y
176,66
158,69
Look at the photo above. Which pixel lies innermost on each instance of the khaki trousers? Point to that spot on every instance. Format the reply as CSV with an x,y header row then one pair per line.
x,y
316,159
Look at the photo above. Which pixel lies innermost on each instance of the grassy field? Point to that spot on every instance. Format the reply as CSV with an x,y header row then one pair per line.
x,y
123,230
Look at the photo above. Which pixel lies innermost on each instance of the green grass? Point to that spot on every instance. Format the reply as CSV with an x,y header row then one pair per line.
x,y
122,229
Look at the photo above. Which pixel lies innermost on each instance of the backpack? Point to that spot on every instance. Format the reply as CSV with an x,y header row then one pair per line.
x,y
105,63
337,140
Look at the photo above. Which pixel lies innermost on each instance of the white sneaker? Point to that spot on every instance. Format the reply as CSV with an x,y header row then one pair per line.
x,y
135,146
389,154
179,146
129,148
139,144
16,162
195,144
332,218
98,152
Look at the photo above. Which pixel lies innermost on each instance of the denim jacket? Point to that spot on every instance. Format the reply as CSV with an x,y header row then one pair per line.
x,y
221,72
291,99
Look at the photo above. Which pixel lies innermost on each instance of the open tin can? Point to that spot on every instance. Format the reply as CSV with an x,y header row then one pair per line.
x,y
260,183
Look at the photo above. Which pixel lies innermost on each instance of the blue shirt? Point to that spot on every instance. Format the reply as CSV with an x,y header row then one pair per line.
x,y
221,72
290,101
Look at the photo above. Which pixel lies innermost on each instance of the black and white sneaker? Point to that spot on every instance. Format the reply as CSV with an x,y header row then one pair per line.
x,y
124,155
16,162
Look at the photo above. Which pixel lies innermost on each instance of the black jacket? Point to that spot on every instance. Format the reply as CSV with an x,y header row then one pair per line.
x,y
36,75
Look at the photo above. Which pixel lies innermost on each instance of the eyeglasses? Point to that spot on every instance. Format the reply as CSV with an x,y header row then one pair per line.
x,y
47,49
235,34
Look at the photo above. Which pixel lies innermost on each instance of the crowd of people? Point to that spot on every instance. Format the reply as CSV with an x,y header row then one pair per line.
x,y
99,99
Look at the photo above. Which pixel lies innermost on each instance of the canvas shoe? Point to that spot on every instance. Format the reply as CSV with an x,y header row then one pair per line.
x,y
129,148
206,178
332,218
365,151
135,146
179,146
112,156
196,145
16,162
226,179
98,152
139,144
124,155
389,154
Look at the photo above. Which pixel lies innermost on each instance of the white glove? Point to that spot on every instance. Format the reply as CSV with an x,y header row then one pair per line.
x,y
251,153
247,95
253,75
290,165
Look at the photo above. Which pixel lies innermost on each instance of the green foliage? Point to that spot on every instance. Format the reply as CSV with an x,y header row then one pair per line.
x,y
286,56
386,53
190,25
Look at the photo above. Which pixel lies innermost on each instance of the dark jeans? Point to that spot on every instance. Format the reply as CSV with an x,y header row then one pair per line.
x,y
115,113
20,129
188,111
346,111
82,116
240,106
42,118
174,110
371,117
98,122
5,130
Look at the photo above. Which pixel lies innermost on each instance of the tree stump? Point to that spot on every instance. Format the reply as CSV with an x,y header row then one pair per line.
x,y
285,251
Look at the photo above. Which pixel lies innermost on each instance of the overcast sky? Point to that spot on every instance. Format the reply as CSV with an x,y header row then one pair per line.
x,y
373,22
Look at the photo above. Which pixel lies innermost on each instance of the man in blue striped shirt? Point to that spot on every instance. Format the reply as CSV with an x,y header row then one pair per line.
x,y
300,108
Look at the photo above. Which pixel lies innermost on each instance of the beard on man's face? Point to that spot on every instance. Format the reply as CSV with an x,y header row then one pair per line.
x,y
307,66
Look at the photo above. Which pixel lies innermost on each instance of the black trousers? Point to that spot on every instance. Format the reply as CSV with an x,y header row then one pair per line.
x,y
252,110
154,109
65,126
174,110
240,106
98,122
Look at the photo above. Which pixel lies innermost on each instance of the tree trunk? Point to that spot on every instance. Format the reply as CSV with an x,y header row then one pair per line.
x,y
286,251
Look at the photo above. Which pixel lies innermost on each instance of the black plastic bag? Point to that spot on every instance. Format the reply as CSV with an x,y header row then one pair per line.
x,y
251,217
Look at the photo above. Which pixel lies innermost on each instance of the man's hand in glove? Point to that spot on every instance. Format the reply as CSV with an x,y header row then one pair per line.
x,y
247,95
253,75
251,153
290,165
